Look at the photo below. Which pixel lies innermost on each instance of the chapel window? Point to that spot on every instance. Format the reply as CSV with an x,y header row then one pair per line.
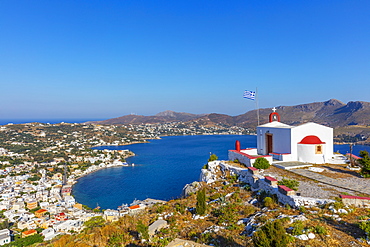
x,y
318,149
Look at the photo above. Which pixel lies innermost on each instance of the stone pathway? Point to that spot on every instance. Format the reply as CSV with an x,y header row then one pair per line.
x,y
342,183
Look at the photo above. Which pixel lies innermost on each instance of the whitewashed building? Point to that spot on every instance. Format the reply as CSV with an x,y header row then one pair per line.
x,y
309,142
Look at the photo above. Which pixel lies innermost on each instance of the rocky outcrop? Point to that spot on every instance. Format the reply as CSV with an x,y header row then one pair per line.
x,y
191,188
257,182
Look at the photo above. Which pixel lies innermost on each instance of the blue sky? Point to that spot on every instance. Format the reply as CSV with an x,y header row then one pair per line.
x,y
104,59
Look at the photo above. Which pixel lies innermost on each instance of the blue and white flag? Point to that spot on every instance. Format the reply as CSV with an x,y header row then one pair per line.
x,y
249,95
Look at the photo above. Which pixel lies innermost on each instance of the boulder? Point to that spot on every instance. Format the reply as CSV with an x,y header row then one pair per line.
x,y
191,188
311,235
302,237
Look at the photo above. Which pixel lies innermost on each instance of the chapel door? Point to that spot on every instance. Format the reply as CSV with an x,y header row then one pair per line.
x,y
268,143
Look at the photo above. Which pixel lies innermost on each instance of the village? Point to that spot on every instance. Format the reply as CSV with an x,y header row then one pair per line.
x,y
41,162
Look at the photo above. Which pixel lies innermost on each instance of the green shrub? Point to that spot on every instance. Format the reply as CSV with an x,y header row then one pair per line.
x,y
261,163
320,230
302,209
213,157
365,225
298,227
272,234
290,183
268,202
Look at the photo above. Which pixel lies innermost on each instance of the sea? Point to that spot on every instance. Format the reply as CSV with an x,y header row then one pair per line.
x,y
161,169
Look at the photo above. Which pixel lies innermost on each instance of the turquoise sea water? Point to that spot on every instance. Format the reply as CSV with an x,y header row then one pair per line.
x,y
162,168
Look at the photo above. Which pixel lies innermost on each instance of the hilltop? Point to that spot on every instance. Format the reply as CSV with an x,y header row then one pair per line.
x,y
333,113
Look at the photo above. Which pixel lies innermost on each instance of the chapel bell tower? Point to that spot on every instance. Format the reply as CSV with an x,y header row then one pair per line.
x,y
274,116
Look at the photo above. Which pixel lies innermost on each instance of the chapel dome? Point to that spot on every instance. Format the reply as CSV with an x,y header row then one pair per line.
x,y
311,140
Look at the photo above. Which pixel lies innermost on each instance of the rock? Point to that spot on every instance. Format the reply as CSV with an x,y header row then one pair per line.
x,y
207,176
240,222
253,201
333,210
302,237
311,235
191,188
342,211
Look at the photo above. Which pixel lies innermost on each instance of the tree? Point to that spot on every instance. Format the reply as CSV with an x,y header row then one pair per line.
x,y
272,234
261,163
365,163
213,157
201,206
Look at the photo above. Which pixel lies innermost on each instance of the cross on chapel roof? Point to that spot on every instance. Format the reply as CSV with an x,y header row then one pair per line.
x,y
274,109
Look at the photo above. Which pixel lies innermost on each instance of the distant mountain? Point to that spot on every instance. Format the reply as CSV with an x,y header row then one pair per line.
x,y
162,117
332,113
179,116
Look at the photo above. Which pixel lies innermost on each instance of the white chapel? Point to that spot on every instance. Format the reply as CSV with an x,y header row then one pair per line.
x,y
309,142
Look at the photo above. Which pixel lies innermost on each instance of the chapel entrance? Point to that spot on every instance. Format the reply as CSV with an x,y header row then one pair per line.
x,y
269,143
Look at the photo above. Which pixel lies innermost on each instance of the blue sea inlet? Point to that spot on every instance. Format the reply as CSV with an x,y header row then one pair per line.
x,y
162,168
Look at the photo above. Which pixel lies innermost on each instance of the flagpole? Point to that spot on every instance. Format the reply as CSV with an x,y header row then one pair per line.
x,y
258,110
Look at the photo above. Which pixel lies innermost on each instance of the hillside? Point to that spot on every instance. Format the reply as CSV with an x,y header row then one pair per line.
x,y
333,113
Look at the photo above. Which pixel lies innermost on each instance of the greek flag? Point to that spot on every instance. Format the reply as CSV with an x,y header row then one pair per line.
x,y
249,95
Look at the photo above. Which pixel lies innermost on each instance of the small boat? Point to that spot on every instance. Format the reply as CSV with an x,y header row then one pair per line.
x,y
133,164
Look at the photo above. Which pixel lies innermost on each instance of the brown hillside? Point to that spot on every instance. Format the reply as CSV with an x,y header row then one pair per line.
x,y
332,113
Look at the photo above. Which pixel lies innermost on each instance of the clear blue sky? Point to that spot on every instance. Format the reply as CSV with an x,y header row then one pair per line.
x,y
104,59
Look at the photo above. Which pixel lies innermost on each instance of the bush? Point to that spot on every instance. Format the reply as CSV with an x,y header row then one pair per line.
x,y
320,230
298,227
261,163
268,202
272,234
213,157
365,225
290,183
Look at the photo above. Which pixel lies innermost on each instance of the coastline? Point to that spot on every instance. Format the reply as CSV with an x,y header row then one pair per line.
x,y
75,179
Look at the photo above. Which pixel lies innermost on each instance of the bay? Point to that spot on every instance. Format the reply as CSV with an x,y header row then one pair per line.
x,y
162,168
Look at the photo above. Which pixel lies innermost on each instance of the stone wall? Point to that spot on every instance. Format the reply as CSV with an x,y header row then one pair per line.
x,y
356,201
257,182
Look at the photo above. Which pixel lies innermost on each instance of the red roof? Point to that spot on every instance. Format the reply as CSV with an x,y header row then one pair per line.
x,y
249,156
284,188
252,168
354,197
270,178
353,156
311,140
29,232
41,211
134,207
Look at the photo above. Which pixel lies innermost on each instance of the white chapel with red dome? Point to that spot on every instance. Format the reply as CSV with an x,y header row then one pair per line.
x,y
308,142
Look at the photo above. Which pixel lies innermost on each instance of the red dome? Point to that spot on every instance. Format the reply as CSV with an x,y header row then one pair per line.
x,y
311,140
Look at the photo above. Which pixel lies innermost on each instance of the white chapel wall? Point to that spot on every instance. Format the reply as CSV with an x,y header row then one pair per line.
x,y
280,140
324,133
